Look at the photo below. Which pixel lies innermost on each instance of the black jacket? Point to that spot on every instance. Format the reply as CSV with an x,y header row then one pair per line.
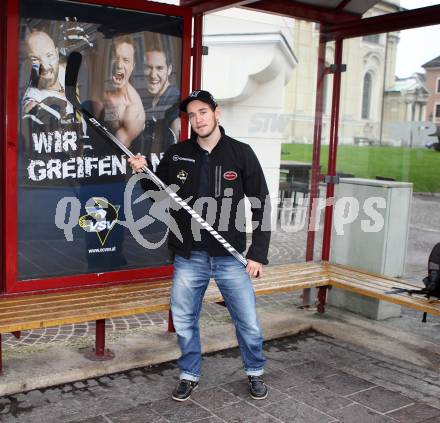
x,y
233,164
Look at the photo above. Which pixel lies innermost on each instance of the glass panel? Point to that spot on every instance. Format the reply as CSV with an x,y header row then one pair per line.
x,y
72,218
386,216
262,70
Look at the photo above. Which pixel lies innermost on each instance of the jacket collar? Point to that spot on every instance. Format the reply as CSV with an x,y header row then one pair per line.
x,y
193,139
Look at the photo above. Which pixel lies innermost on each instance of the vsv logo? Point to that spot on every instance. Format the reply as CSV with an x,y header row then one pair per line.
x,y
101,217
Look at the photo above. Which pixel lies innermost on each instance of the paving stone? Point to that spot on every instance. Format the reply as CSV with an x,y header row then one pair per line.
x,y
318,397
214,398
415,413
136,372
179,412
343,383
292,411
282,380
92,382
381,399
210,420
79,385
241,389
311,370
356,413
139,379
243,412
139,414
97,419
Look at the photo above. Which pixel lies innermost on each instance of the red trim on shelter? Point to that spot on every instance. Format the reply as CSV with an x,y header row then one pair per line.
x,y
10,143
397,21
9,137
197,53
199,7
303,11
2,137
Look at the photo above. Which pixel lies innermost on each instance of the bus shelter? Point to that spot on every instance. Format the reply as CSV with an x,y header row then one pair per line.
x,y
62,200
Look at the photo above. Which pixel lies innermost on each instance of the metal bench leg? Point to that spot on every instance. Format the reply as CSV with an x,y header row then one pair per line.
x,y
305,298
170,322
1,358
99,353
322,294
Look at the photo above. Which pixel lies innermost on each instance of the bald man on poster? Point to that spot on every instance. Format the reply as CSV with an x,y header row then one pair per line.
x,y
44,104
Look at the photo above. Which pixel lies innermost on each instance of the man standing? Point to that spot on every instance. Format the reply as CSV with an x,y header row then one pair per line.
x,y
213,169
121,107
161,105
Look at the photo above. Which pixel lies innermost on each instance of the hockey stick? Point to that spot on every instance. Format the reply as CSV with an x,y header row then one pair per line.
x,y
72,69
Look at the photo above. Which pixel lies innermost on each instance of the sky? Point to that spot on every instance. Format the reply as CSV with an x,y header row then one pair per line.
x,y
417,46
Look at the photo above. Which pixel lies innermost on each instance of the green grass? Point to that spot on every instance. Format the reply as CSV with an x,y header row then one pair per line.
x,y
417,165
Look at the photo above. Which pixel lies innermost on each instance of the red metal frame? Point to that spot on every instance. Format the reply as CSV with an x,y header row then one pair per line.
x,y
334,126
314,193
397,21
2,137
342,4
199,7
303,11
197,52
9,142
316,157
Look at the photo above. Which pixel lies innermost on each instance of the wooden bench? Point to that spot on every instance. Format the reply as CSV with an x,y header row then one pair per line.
x,y
33,311
377,286
19,313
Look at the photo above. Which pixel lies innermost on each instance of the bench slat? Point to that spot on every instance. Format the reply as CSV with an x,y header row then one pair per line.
x,y
421,304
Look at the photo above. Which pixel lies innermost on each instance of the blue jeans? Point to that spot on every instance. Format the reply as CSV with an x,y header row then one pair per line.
x,y
190,280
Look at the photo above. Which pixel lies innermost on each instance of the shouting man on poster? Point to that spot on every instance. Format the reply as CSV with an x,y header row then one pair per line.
x,y
121,107
215,172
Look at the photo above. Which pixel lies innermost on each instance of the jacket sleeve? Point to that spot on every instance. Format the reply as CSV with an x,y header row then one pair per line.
x,y
255,188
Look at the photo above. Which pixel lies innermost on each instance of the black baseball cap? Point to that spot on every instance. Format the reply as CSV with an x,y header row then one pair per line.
x,y
201,95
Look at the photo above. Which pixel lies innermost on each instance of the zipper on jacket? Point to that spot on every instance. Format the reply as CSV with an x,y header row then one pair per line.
x,y
218,181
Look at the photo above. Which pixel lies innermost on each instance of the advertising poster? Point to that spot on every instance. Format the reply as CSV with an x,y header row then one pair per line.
x,y
71,181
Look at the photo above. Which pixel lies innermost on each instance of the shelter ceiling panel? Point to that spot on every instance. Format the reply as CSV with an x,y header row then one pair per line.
x,y
353,6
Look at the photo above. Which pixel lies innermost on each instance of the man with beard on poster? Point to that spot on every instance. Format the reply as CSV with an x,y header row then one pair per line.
x,y
121,106
162,125
44,105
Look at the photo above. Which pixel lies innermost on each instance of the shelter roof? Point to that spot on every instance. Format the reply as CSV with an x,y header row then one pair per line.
x,y
325,11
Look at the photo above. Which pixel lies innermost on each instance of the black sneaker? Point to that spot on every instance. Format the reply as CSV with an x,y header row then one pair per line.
x,y
184,389
257,388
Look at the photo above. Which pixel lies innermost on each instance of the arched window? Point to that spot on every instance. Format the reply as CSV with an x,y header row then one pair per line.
x,y
366,96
